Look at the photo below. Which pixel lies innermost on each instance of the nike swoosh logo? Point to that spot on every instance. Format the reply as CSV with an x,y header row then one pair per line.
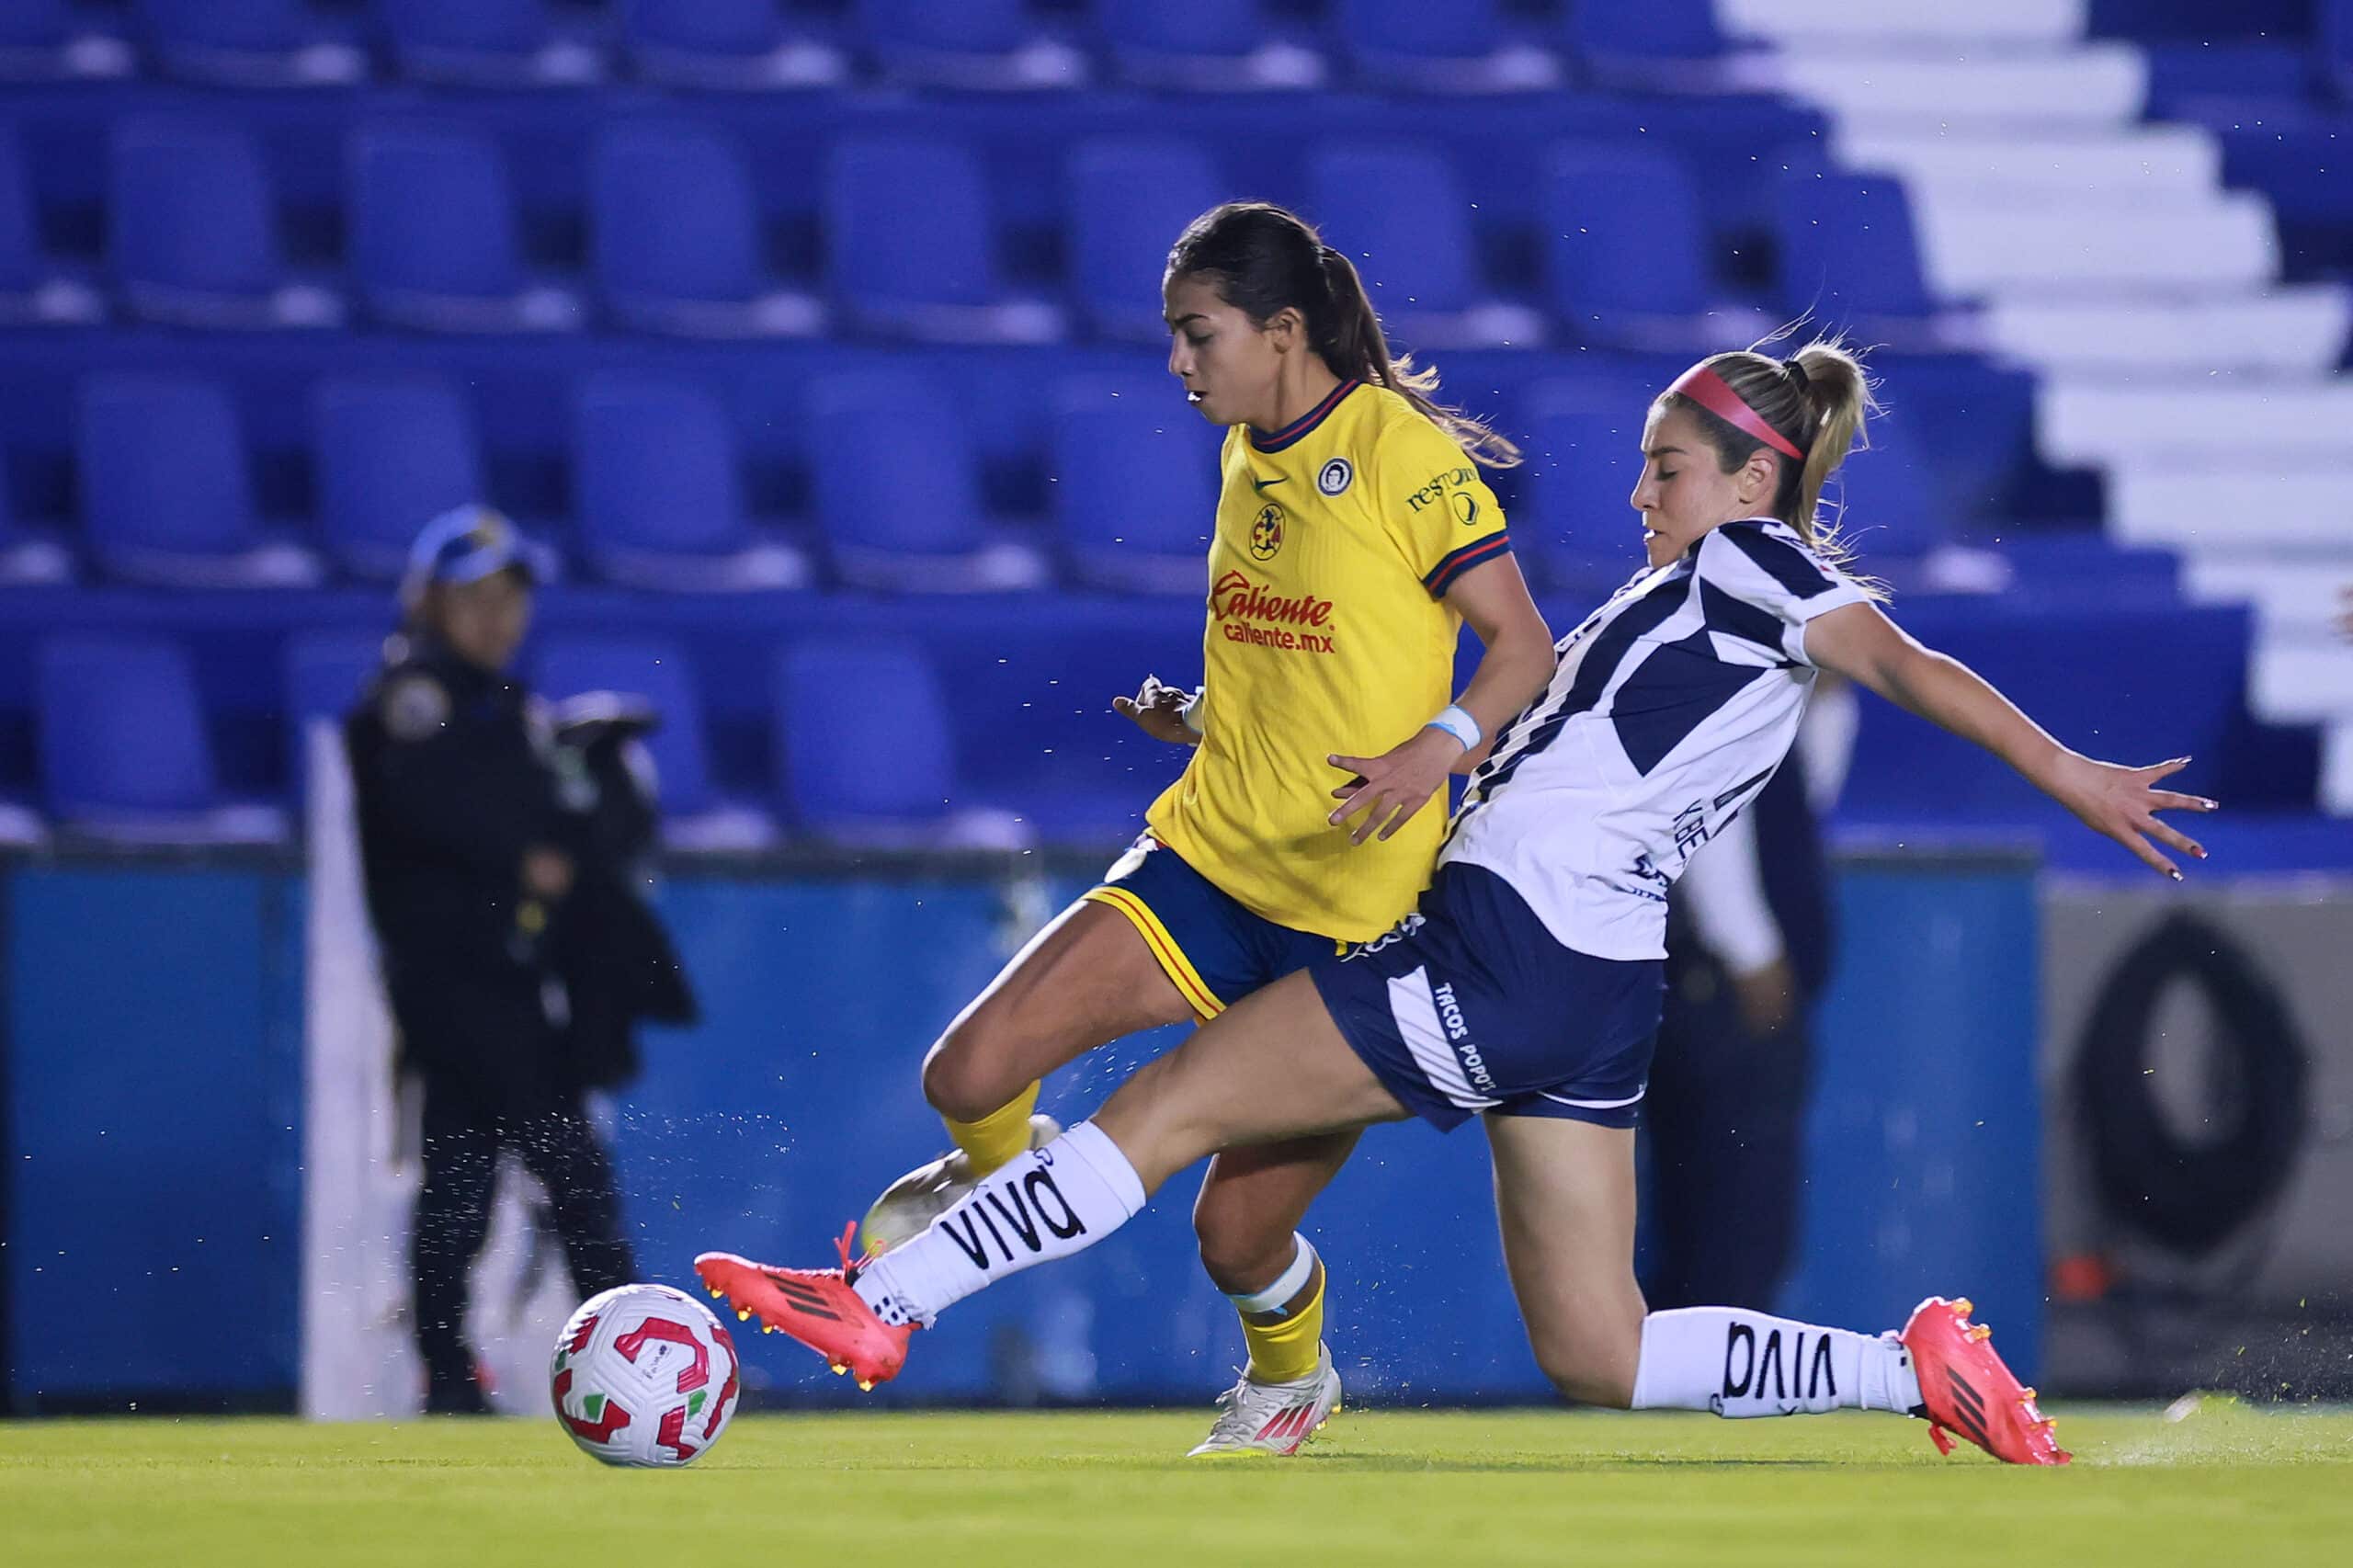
x,y
1262,484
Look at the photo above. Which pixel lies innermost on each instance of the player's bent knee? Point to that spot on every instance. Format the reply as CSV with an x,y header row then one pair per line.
x,y
1239,1252
1585,1378
1587,1385
961,1081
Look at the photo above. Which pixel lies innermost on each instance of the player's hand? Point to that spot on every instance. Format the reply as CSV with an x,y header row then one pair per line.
x,y
1768,998
1159,711
2123,803
1391,788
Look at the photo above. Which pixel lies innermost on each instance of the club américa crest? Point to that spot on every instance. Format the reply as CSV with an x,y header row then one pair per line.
x,y
1267,533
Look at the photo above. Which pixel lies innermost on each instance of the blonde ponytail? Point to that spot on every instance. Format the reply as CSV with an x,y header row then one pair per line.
x,y
1836,394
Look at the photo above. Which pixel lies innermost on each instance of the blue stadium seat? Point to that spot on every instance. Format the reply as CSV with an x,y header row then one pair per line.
x,y
326,670
1398,210
194,223
389,453
678,236
1625,249
2227,83
1135,485
1683,29
250,43
1847,249
35,26
123,751
911,518
2336,43
2290,155
434,238
1400,215
164,493
961,27
695,816
1205,46
1129,201
1892,504
661,497
1413,47
861,726
1575,529
1657,43
912,247
27,557
982,44
30,287
485,43
726,44
41,39
22,264
1465,30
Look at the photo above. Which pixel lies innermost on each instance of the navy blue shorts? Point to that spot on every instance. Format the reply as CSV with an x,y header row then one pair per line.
x,y
1471,1006
1214,950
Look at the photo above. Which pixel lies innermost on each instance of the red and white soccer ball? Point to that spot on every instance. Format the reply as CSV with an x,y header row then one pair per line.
x,y
644,1376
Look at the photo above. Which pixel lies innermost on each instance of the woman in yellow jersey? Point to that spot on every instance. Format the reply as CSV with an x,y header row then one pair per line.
x,y
1354,538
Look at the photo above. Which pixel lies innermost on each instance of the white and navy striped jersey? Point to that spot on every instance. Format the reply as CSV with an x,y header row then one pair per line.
x,y
1670,708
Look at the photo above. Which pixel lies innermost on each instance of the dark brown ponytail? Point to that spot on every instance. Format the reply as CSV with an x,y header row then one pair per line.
x,y
1264,259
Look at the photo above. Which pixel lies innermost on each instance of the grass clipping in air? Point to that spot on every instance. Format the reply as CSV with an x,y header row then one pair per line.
x,y
2222,1484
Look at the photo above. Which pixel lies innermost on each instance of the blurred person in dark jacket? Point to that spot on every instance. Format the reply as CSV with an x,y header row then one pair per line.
x,y
1749,944
501,856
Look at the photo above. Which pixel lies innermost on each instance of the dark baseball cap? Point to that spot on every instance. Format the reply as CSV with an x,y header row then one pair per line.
x,y
466,544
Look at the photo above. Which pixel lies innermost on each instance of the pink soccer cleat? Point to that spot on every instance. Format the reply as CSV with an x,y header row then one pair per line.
x,y
1968,1390
815,1306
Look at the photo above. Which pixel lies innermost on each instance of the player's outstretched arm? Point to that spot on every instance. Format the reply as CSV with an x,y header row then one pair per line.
x,y
1860,642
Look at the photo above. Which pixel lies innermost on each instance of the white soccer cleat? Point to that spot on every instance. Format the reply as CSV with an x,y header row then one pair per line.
x,y
910,1204
1274,1418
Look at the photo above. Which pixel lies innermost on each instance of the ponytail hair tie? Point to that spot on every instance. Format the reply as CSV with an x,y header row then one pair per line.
x,y
1795,370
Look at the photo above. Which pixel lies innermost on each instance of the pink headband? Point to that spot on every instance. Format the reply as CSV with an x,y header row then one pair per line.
x,y
1711,393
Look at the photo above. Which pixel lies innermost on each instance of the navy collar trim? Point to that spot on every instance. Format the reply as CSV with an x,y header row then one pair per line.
x,y
1304,425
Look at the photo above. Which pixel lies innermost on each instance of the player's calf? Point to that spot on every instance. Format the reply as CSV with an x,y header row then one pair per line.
x,y
1941,1367
1739,1363
910,1204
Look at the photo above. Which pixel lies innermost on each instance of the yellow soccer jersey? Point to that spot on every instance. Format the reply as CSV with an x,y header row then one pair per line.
x,y
1336,538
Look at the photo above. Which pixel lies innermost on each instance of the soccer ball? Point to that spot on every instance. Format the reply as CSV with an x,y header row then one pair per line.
x,y
643,1375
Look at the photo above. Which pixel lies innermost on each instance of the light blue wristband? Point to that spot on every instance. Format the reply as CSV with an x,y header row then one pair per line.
x,y
1456,721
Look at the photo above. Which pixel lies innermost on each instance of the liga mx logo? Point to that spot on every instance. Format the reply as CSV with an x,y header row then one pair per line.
x,y
1267,533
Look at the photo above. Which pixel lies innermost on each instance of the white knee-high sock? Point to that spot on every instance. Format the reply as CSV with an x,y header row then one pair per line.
x,y
1048,1203
1741,1363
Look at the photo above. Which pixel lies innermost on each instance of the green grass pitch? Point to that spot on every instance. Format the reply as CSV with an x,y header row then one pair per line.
x,y
2226,1486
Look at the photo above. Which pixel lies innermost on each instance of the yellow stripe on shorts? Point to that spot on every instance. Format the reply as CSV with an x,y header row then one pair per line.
x,y
1171,957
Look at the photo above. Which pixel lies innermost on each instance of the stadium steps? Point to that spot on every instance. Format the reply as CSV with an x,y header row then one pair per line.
x,y
2214,509
2143,185
2106,253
